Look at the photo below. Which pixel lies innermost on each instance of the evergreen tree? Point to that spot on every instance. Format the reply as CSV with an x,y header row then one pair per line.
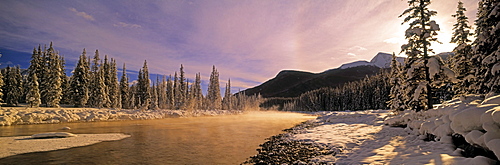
x,y
170,93
33,95
1,88
65,86
485,53
125,90
143,87
396,80
227,100
420,34
213,94
13,85
154,97
112,85
162,93
182,88
79,82
197,93
461,60
177,92
98,95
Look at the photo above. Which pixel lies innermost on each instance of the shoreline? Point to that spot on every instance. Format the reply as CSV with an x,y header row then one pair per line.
x,y
357,137
26,116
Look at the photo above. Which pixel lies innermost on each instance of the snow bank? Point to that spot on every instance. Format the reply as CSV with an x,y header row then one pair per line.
x,y
472,116
18,115
25,144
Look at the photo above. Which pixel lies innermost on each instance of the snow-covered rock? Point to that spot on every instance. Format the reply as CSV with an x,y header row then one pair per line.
x,y
475,117
52,135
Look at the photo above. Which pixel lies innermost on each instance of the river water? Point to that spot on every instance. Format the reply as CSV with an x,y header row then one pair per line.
x,y
201,140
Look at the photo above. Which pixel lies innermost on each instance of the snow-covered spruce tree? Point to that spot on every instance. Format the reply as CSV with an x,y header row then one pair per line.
x,y
420,33
461,61
486,52
177,92
143,87
213,94
162,93
227,100
112,85
65,98
1,88
182,88
197,93
396,80
154,97
79,82
13,85
53,82
107,77
98,95
33,95
125,89
33,70
170,93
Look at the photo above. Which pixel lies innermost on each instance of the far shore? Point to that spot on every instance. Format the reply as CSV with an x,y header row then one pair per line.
x,y
23,115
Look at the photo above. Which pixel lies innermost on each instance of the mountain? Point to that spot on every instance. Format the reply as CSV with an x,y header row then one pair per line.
x,y
381,60
290,83
293,83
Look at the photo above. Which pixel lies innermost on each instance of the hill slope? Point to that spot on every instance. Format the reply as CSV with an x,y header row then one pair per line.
x,y
293,83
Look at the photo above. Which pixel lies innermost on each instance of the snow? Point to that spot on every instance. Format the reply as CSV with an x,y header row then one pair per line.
x,y
474,117
434,26
25,144
434,67
52,135
381,60
365,137
362,138
20,115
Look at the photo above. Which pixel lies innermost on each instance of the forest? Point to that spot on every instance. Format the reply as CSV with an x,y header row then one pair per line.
x,y
94,83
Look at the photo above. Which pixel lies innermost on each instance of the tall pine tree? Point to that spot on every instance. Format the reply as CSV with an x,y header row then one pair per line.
x,y
125,90
213,94
420,34
79,82
143,87
461,61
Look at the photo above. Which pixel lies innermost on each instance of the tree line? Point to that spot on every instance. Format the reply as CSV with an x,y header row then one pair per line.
x,y
422,80
94,83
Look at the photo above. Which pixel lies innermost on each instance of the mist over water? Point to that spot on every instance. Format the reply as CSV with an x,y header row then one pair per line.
x,y
201,140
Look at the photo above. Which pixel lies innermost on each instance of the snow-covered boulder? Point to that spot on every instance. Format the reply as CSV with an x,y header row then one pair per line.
x,y
52,135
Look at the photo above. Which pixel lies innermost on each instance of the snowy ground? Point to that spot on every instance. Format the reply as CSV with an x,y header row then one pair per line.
x,y
362,138
23,115
25,144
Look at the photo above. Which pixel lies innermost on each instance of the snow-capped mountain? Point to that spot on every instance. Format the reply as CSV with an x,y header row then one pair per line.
x,y
381,60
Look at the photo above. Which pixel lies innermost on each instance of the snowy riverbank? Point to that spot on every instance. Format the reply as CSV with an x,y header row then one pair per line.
x,y
25,144
23,115
362,137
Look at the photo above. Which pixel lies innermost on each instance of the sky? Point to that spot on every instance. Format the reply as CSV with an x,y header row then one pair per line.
x,y
249,41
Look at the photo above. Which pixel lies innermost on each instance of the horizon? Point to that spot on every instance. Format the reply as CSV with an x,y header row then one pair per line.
x,y
248,41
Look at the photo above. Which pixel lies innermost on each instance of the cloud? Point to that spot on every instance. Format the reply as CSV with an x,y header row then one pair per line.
x,y
394,40
82,14
357,48
351,54
126,25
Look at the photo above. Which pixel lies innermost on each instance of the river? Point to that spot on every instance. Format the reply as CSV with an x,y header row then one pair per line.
x,y
226,139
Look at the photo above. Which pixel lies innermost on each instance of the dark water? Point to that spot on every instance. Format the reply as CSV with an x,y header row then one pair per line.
x,y
202,140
